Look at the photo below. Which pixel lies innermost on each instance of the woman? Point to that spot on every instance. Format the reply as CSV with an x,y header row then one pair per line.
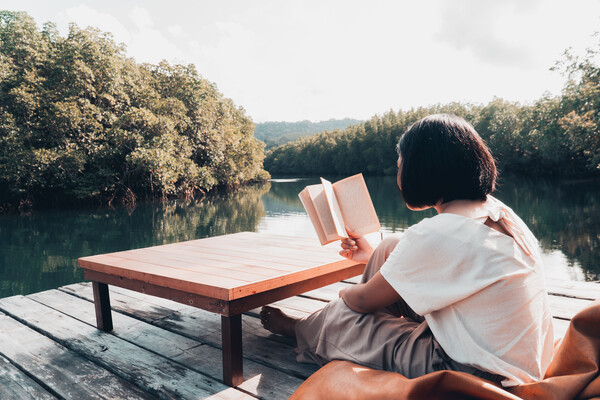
x,y
463,290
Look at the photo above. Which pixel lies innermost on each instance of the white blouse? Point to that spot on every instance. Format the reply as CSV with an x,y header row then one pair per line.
x,y
483,293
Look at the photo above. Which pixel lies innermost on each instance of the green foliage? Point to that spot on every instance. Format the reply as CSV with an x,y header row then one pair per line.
x,y
277,133
554,136
80,120
580,105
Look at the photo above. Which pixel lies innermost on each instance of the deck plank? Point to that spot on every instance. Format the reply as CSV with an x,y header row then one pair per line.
x,y
566,307
580,290
66,373
259,380
155,374
14,384
177,344
203,326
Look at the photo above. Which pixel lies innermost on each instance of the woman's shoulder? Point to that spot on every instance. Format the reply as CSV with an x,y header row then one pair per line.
x,y
445,233
442,224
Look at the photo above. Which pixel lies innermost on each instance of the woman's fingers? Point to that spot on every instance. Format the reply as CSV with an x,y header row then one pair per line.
x,y
349,241
346,253
349,246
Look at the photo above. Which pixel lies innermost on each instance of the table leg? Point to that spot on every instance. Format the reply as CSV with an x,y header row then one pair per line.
x,y
231,336
102,304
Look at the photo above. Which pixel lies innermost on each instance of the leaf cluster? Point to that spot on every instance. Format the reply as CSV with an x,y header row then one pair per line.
x,y
80,120
556,136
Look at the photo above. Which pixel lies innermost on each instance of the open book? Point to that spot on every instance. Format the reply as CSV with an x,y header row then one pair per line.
x,y
332,207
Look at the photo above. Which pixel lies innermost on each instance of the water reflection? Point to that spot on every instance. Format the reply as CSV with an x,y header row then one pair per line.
x,y
564,216
39,251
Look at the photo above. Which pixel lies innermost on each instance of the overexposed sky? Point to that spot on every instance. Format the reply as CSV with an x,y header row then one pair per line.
x,y
319,59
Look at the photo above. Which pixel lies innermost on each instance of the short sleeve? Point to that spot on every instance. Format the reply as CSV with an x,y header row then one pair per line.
x,y
446,258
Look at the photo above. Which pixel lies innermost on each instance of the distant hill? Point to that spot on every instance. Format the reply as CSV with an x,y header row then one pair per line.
x,y
279,132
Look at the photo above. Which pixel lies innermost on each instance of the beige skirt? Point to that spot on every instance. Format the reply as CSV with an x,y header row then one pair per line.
x,y
392,339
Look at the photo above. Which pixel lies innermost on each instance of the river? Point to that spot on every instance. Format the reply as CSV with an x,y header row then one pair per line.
x,y
39,251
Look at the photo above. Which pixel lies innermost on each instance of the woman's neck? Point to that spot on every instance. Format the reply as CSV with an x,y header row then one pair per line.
x,y
461,207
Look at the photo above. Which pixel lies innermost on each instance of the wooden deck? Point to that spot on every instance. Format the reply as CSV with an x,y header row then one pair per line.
x,y
50,347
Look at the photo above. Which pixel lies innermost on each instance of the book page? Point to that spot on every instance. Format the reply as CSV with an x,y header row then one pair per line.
x,y
356,205
319,200
312,213
336,213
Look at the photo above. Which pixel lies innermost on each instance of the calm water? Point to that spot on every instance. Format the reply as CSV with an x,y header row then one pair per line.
x,y
39,251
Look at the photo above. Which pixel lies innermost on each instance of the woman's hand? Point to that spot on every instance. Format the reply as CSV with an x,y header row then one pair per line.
x,y
356,247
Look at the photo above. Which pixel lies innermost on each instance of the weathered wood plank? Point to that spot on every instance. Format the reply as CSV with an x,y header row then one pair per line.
x,y
298,307
355,279
65,372
566,307
328,293
153,373
580,290
259,380
14,384
203,326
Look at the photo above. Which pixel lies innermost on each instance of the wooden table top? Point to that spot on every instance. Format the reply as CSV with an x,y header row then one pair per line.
x,y
225,267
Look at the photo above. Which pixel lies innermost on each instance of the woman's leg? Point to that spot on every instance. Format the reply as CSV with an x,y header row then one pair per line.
x,y
394,339
276,321
380,255
337,332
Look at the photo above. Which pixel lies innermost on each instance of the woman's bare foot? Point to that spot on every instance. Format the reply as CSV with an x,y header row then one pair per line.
x,y
276,321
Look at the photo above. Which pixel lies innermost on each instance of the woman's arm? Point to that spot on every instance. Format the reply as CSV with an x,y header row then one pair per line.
x,y
376,294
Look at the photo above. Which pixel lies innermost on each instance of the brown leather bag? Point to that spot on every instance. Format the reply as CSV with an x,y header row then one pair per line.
x,y
573,374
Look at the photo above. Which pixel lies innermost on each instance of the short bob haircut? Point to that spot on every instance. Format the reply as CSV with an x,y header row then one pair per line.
x,y
443,158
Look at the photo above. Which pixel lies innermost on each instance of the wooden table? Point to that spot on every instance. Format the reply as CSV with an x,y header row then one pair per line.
x,y
227,275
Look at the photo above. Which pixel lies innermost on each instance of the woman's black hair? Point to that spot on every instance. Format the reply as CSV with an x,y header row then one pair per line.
x,y
443,158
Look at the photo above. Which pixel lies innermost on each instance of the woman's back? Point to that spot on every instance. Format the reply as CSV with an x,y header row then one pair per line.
x,y
481,291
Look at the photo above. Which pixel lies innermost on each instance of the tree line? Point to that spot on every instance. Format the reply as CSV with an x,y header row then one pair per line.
x,y
80,120
276,133
556,135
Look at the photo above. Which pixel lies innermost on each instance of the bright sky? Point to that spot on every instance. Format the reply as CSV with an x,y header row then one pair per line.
x,y
319,59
